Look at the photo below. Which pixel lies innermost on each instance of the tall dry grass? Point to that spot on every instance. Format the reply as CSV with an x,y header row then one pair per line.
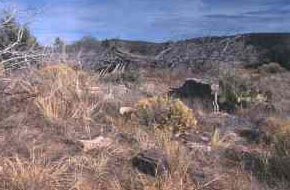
x,y
180,162
21,174
64,94
1,69
277,133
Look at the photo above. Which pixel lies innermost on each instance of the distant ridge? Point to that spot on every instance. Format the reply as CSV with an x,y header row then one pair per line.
x,y
249,49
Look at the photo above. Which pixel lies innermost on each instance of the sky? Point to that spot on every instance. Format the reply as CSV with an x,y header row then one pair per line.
x,y
149,20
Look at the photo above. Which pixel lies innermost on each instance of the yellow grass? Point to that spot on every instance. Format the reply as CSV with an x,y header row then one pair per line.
x,y
19,174
97,166
222,142
63,93
279,131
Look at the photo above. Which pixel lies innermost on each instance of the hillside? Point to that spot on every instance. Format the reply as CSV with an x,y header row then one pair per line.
x,y
249,50
201,114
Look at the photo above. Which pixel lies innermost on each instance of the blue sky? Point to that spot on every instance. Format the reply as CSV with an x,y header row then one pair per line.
x,y
152,20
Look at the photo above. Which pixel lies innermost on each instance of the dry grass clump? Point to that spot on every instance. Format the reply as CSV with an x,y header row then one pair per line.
x,y
225,141
65,96
1,69
179,164
63,93
164,111
271,68
89,168
19,174
178,158
270,161
278,134
233,180
277,88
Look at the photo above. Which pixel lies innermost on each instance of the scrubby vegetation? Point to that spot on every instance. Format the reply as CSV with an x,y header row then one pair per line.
x,y
64,93
65,108
61,124
163,112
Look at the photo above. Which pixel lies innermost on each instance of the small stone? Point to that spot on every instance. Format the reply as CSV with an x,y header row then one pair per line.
x,y
152,163
251,135
199,175
108,129
125,138
199,146
97,143
205,139
126,110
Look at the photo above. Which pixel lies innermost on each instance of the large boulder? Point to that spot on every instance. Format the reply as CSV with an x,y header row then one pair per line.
x,y
194,88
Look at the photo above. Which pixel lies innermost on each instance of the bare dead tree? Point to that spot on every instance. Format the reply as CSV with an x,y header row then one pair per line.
x,y
17,50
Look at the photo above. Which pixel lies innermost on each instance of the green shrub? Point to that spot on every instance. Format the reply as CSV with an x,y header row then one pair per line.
x,y
274,166
270,68
165,112
235,92
277,132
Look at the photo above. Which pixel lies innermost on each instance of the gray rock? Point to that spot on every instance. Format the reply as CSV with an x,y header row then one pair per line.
x,y
196,89
97,143
108,129
152,163
125,138
252,135
204,139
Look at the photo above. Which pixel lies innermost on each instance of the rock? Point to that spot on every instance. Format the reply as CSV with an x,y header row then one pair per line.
x,y
152,163
127,112
97,143
199,146
204,139
194,88
125,138
252,135
108,129
200,175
